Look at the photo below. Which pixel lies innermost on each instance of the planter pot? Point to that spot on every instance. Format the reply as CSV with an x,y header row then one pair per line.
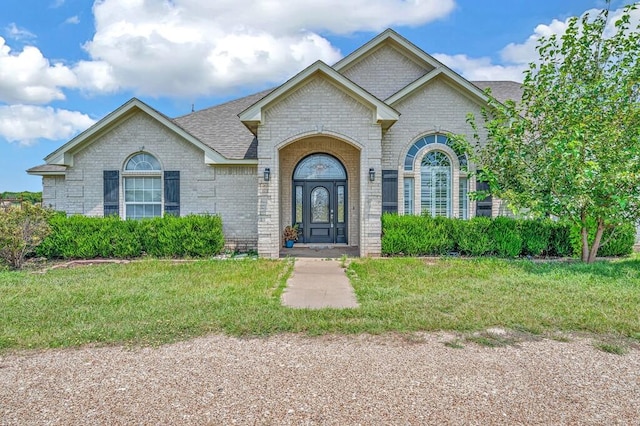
x,y
289,244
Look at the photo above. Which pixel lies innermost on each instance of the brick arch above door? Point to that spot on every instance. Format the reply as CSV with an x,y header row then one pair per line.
x,y
346,153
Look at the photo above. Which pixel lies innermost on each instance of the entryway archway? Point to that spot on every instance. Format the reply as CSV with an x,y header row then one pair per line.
x,y
320,199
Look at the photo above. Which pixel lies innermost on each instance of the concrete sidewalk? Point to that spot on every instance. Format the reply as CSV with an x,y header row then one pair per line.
x,y
317,284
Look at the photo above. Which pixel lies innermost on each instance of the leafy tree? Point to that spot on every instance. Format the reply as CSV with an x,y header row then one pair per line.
x,y
22,229
571,147
24,196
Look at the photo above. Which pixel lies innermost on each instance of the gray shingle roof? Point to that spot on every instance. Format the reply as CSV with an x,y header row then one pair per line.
x,y
502,90
220,128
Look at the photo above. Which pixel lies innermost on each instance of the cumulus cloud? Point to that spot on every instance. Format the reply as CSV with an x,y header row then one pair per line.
x,y
199,47
515,57
25,124
28,77
481,69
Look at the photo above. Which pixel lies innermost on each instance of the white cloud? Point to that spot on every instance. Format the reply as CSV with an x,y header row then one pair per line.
x,y
28,77
188,47
515,57
481,69
25,124
57,3
17,33
72,20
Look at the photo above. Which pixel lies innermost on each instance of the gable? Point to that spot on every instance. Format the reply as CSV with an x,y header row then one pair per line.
x,y
384,114
319,100
386,70
64,156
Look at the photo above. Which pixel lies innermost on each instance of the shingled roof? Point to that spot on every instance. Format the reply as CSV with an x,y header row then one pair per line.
x,y
502,90
220,128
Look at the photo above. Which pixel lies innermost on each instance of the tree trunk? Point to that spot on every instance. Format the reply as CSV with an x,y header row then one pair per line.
x,y
585,243
596,242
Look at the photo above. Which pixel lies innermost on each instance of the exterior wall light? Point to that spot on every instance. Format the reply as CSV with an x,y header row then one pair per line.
x,y
372,174
267,174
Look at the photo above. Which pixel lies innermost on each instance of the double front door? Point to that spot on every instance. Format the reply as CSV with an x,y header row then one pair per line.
x,y
320,210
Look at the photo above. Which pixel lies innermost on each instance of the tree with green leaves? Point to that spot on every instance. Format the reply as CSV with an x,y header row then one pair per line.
x,y
571,147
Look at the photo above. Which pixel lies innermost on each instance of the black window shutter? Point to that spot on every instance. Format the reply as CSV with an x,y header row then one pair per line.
x,y
483,207
111,185
172,193
389,191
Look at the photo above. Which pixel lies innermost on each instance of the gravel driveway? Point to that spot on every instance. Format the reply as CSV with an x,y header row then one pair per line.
x,y
326,380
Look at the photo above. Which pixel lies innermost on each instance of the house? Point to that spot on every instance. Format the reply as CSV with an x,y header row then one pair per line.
x,y
331,149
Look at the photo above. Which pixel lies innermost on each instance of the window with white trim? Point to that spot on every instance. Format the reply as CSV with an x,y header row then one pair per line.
x,y
430,166
142,187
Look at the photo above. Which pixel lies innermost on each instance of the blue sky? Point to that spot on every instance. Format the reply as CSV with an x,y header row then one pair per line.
x,y
64,64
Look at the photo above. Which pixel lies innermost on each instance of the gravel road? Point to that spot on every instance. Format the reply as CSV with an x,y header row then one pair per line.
x,y
333,380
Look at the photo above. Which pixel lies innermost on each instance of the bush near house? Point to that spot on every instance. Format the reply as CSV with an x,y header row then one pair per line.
x,y
502,236
81,237
22,228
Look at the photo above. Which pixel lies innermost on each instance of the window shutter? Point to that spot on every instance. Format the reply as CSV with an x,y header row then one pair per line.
x,y
389,191
483,207
111,185
172,193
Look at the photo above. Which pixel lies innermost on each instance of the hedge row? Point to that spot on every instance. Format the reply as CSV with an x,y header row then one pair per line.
x,y
81,237
502,236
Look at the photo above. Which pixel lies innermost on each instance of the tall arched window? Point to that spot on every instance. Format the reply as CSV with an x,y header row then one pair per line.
x,y
142,187
435,184
435,178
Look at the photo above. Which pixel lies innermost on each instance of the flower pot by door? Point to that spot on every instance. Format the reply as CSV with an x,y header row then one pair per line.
x,y
289,244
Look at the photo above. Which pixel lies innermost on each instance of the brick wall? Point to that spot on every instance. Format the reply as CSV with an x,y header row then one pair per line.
x,y
318,108
229,191
348,155
385,71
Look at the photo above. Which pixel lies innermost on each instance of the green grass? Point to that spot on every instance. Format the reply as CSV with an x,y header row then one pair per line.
x,y
154,302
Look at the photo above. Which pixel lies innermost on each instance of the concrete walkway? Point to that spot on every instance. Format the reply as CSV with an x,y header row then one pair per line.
x,y
317,284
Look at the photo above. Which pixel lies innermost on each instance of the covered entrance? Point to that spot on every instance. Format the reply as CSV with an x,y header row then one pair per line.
x,y
320,200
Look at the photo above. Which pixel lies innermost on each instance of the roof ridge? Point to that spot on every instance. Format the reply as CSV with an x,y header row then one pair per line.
x,y
226,103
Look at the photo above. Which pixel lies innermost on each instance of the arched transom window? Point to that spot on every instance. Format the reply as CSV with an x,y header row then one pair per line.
x,y
438,175
143,161
142,187
321,167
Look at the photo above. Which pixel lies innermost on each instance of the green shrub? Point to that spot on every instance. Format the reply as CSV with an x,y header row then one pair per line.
x,y
416,235
505,236
536,236
81,237
22,229
559,240
472,236
615,242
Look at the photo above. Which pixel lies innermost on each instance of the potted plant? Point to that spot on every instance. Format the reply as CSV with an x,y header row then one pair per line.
x,y
289,235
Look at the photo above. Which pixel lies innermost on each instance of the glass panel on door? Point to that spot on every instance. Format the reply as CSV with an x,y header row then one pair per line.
x,y
320,205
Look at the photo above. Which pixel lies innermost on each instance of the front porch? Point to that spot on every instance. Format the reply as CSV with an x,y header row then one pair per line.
x,y
321,251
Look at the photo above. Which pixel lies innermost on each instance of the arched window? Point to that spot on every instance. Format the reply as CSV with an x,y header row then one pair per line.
x,y
143,161
429,185
435,184
428,140
321,167
142,187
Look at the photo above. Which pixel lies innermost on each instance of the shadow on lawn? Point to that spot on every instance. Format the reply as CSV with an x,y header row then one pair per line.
x,y
608,268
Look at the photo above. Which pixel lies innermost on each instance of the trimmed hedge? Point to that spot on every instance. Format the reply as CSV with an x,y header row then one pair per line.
x,y
502,236
81,237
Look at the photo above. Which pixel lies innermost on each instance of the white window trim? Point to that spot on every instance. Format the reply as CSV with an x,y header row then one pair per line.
x,y
140,173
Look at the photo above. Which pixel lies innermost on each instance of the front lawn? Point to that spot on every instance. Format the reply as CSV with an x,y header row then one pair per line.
x,y
153,302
